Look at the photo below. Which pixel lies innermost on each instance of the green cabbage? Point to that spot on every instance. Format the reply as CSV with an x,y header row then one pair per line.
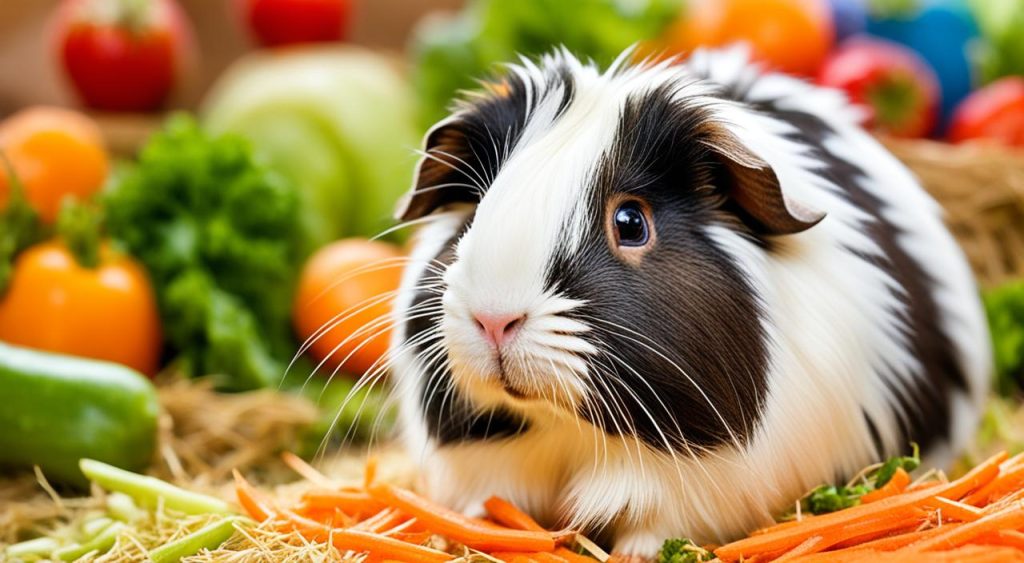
x,y
337,121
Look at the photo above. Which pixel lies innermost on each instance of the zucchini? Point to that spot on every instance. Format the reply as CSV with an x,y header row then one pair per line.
x,y
57,409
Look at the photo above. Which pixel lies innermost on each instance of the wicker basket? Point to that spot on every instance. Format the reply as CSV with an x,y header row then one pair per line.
x,y
982,190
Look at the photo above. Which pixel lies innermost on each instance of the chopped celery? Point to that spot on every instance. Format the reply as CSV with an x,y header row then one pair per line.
x,y
207,537
148,491
101,543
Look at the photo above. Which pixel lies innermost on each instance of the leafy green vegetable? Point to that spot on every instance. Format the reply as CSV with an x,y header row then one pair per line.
x,y
683,551
886,471
1002,51
452,53
338,122
1004,306
830,498
20,226
219,234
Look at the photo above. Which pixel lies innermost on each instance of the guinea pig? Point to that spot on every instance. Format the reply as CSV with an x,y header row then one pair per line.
x,y
667,299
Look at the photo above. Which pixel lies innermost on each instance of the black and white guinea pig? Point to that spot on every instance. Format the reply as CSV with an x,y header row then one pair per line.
x,y
666,300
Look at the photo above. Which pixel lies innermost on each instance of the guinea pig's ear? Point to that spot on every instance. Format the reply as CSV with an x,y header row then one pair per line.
x,y
439,179
755,188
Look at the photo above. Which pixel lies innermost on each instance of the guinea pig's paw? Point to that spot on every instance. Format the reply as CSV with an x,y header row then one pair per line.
x,y
636,547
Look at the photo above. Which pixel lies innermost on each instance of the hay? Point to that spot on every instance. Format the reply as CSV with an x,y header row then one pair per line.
x,y
206,434
981,188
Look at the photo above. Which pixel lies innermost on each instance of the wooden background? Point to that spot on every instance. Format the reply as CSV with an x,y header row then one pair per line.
x,y
29,72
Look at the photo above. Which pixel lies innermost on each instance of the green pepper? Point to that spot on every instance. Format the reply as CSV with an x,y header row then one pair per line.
x,y
58,409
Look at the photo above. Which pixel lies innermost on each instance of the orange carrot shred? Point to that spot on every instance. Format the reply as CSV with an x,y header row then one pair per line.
x,y
365,542
1010,538
897,484
808,546
951,509
506,514
370,472
258,508
307,471
1011,518
454,525
573,557
1009,481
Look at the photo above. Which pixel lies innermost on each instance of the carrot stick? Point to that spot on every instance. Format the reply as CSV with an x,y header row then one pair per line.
x,y
954,510
446,522
808,546
506,514
571,556
383,520
790,537
365,542
350,502
306,471
897,484
894,542
370,471
257,507
978,477
1010,519
1010,538
1005,483
538,557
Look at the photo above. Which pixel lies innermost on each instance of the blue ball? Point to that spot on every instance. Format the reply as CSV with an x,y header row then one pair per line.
x,y
942,32
850,17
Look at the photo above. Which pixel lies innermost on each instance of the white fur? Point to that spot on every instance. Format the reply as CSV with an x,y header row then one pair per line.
x,y
832,321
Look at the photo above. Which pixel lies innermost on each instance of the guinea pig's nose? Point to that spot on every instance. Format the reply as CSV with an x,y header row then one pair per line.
x,y
498,328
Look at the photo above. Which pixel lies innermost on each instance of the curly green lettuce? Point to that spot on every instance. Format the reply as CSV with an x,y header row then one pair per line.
x,y
1004,306
219,234
451,54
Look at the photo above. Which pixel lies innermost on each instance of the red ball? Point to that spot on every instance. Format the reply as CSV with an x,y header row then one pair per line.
x,y
285,22
119,57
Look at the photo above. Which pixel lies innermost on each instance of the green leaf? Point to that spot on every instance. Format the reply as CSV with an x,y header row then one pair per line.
x,y
683,551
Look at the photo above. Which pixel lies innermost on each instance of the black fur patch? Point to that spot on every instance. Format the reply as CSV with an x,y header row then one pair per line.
x,y
687,359
927,406
467,153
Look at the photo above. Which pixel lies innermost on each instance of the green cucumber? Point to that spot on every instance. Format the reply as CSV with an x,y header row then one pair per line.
x,y
55,410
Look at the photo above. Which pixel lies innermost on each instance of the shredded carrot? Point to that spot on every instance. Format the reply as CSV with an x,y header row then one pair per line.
x,y
537,557
789,537
353,503
1005,483
370,472
810,545
364,542
896,541
446,522
897,484
307,471
506,514
1009,538
953,510
258,508
1011,518
573,557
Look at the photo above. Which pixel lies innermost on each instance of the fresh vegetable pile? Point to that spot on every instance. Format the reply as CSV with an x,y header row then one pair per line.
x,y
978,516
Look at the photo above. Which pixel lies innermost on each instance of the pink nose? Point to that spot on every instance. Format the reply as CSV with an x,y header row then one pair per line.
x,y
498,328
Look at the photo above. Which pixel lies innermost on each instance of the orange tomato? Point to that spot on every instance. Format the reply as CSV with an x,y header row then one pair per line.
x,y
55,153
107,313
793,36
352,282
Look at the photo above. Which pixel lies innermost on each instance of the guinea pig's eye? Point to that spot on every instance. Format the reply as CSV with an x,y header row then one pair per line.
x,y
630,224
